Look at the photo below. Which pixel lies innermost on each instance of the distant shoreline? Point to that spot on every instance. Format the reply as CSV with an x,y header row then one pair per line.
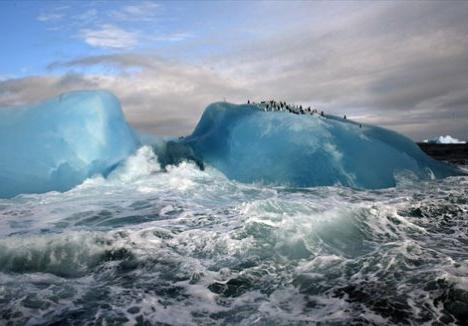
x,y
453,153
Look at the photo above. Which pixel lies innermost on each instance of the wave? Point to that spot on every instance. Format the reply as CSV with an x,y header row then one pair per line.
x,y
275,255
144,246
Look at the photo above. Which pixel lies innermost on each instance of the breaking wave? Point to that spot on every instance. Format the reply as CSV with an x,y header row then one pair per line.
x,y
186,247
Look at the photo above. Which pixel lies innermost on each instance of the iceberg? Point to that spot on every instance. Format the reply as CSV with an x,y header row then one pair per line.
x,y
444,140
251,145
56,144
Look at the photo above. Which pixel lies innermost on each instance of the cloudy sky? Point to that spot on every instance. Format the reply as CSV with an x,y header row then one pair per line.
x,y
403,65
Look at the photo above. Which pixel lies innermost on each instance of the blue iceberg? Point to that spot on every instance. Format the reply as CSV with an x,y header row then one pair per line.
x,y
250,145
56,144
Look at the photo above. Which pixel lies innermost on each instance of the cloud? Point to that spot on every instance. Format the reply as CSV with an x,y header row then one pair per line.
x,y
53,14
142,11
400,65
88,16
163,97
122,61
45,17
389,61
174,37
109,36
21,91
108,29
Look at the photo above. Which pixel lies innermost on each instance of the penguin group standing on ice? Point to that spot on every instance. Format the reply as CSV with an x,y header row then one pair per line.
x,y
285,107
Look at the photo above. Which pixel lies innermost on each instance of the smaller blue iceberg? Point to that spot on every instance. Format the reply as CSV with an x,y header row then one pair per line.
x,y
250,145
58,143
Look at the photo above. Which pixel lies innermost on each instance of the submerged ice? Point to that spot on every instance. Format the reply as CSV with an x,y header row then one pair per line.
x,y
57,144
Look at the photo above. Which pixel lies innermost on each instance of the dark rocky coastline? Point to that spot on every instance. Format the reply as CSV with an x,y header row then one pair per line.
x,y
453,153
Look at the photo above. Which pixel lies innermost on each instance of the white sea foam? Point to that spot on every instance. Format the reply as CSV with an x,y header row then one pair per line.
x,y
190,247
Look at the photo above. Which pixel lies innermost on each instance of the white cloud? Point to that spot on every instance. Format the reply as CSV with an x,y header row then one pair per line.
x,y
145,10
45,17
53,14
87,16
109,36
104,29
174,37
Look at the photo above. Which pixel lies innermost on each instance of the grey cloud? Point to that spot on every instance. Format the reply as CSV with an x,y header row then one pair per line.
x,y
166,126
390,60
122,61
164,99
27,90
401,65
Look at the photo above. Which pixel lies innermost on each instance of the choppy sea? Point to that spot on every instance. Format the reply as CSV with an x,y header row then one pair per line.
x,y
190,247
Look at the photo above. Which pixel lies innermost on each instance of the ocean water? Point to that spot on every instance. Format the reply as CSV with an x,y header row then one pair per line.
x,y
190,247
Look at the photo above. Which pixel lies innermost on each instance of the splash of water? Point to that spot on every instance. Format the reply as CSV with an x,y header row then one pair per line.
x,y
190,247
